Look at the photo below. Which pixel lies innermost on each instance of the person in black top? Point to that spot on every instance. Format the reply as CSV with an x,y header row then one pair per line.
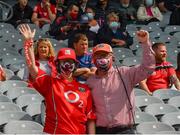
x,y
22,13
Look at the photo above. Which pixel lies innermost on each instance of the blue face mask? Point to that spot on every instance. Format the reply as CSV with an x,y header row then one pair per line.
x,y
149,3
90,16
114,26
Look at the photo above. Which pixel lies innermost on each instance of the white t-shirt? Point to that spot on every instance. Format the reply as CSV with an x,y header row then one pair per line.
x,y
43,65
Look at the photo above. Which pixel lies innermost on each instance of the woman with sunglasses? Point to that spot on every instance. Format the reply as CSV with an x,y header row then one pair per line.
x,y
68,103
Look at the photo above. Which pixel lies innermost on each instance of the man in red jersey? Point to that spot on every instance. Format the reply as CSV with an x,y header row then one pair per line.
x,y
68,103
164,75
43,13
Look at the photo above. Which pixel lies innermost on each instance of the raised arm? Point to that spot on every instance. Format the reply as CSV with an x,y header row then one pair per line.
x,y
147,66
28,35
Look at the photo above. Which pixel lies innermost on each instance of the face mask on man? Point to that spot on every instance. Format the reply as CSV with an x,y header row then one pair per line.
x,y
114,26
125,5
103,64
67,68
73,16
90,16
149,3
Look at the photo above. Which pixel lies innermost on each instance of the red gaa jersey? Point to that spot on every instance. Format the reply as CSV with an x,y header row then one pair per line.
x,y
160,77
68,104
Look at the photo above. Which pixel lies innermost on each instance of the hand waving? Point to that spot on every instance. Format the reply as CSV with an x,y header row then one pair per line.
x,y
27,32
142,36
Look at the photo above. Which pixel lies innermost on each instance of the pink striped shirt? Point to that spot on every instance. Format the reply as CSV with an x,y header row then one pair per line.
x,y
111,103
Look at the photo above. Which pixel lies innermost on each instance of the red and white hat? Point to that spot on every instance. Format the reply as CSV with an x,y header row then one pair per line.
x,y
66,53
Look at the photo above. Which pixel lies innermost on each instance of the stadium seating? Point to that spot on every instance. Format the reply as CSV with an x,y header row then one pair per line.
x,y
172,119
18,91
8,106
23,127
165,94
159,109
174,101
141,117
7,116
10,84
143,101
140,92
153,127
24,100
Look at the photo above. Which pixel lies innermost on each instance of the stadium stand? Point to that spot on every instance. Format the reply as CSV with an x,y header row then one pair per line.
x,y
159,109
23,104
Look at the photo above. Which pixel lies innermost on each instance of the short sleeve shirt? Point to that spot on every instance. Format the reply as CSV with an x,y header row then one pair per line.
x,y
160,77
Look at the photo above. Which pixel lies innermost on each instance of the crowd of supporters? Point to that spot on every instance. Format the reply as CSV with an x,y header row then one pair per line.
x,y
98,87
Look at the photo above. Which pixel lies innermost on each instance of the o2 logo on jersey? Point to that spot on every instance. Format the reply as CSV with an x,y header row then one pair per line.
x,y
73,97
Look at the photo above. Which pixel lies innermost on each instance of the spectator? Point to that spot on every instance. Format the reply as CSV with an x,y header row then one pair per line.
x,y
149,12
175,16
68,103
112,88
83,29
136,3
166,5
94,26
22,13
101,11
44,13
2,74
113,34
178,66
164,75
82,6
66,23
60,7
85,67
44,57
127,12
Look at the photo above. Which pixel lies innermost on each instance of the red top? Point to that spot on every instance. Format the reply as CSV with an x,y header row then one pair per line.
x,y
68,104
42,12
160,77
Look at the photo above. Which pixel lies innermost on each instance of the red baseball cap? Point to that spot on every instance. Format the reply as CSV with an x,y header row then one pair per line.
x,y
66,53
102,47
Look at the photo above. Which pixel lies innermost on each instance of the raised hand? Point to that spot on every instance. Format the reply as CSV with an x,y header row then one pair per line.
x,y
142,36
27,32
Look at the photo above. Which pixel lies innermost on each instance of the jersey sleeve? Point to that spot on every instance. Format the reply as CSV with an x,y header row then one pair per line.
x,y
90,111
42,82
